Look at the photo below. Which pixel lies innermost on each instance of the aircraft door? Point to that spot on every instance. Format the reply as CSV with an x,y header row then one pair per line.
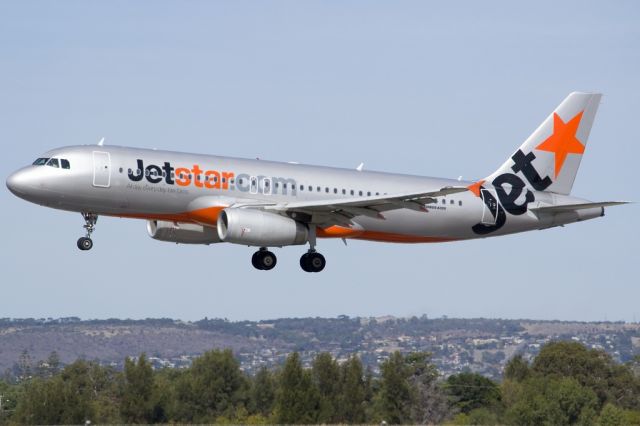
x,y
101,169
489,206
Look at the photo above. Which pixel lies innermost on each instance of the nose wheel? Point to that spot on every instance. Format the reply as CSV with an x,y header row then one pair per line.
x,y
85,243
263,259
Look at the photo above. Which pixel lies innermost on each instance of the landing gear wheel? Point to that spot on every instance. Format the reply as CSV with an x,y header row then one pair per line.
x,y
90,219
255,260
85,243
312,262
303,262
264,260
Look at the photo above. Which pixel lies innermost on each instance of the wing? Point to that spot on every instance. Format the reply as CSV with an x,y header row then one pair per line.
x,y
341,210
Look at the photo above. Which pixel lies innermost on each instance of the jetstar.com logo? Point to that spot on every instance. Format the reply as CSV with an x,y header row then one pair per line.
x,y
212,179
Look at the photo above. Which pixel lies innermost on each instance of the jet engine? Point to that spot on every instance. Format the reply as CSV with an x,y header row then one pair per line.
x,y
185,233
259,228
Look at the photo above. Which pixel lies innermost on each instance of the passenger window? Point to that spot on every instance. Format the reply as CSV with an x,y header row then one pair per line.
x,y
368,193
335,190
310,188
301,187
459,203
444,201
352,192
53,162
67,165
344,191
326,190
360,193
452,202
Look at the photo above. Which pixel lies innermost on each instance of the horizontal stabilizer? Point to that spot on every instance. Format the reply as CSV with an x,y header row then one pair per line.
x,y
574,207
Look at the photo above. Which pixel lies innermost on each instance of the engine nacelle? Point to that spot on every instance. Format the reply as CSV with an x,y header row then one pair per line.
x,y
185,233
259,228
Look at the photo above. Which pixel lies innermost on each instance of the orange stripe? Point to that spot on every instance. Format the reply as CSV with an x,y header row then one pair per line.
x,y
336,231
205,216
388,237
209,216
475,187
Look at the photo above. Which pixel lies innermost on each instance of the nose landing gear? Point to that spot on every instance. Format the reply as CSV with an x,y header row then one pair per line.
x,y
90,219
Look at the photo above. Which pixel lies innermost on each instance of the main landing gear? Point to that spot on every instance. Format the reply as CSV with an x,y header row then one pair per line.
x,y
311,261
90,219
263,259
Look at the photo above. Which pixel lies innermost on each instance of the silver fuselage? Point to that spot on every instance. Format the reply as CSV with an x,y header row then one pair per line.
x,y
108,180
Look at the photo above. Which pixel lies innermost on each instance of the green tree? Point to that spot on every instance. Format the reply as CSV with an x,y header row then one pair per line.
x,y
326,378
263,391
353,392
395,396
516,369
428,401
296,400
137,405
611,416
212,387
73,396
468,391
592,368
552,401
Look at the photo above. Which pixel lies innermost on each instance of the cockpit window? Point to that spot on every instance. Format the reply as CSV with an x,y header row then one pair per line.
x,y
40,162
65,164
53,162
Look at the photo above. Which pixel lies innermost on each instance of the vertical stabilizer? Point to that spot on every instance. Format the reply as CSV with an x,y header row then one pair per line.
x,y
556,147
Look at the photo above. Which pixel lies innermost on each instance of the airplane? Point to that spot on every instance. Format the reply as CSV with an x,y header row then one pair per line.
x,y
205,199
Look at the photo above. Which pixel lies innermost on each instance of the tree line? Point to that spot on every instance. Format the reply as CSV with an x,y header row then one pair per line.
x,y
565,384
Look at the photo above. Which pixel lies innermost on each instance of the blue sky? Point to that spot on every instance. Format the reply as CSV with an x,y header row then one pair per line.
x,y
431,88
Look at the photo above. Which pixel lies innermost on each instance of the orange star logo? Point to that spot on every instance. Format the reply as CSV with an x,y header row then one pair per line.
x,y
563,141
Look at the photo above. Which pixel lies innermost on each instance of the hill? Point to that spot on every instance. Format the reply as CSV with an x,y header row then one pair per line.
x,y
479,345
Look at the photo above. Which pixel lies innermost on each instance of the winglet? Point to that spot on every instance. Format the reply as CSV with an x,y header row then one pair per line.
x,y
101,142
359,168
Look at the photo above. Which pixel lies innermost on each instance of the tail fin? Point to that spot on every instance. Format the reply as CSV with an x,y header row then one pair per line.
x,y
550,157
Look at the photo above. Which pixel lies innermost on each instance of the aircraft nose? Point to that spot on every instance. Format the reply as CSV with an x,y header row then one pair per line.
x,y
18,182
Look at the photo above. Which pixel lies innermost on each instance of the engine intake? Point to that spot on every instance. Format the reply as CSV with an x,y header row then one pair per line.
x,y
259,228
185,233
